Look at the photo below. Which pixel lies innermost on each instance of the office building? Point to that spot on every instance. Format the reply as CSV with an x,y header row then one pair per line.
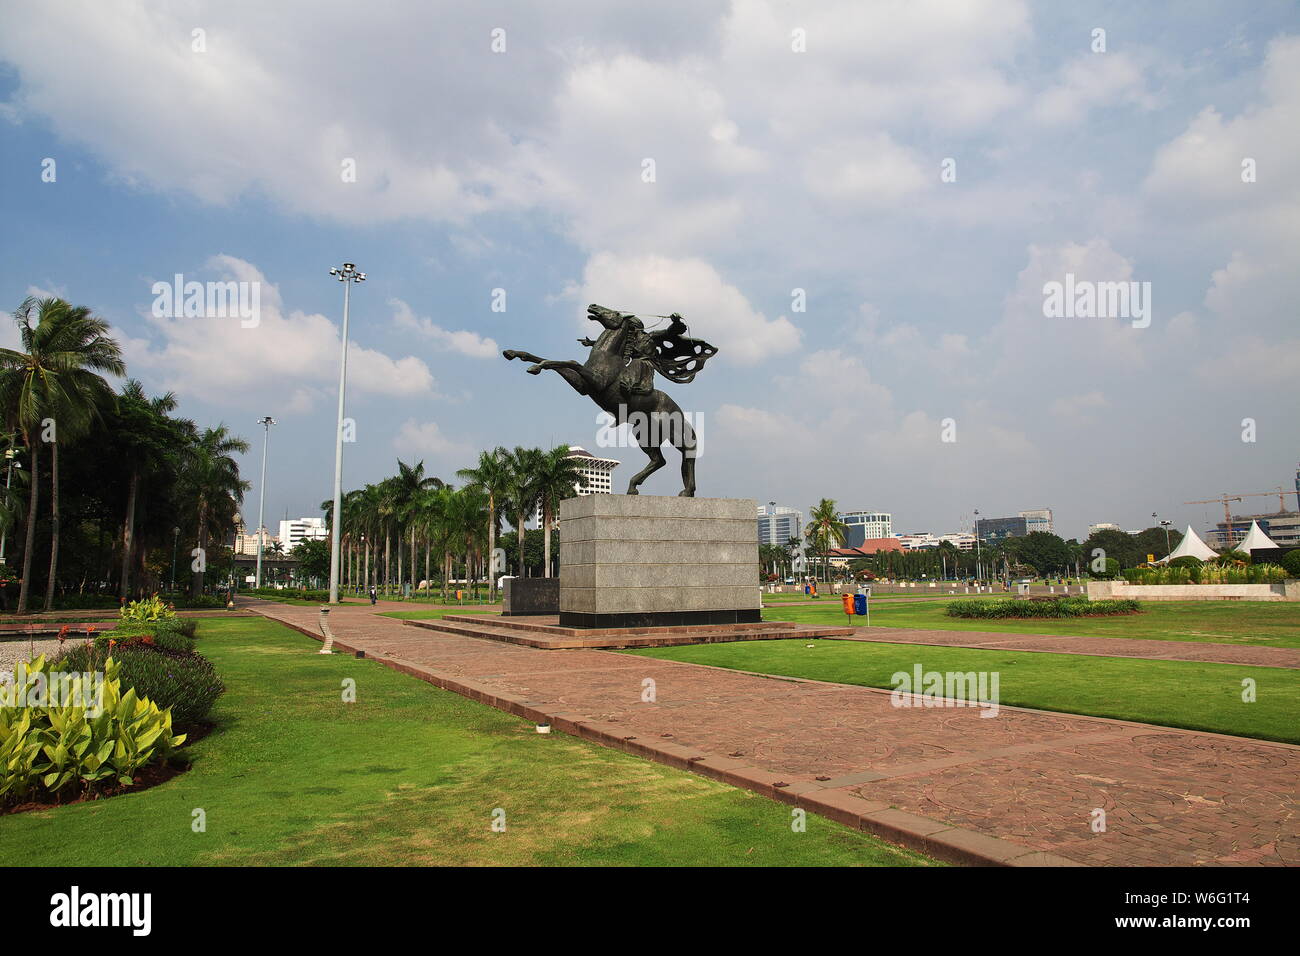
x,y
999,529
295,531
777,524
599,473
866,526
1038,520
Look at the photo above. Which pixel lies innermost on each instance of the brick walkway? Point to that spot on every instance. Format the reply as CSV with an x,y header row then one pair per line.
x,y
1018,788
1288,657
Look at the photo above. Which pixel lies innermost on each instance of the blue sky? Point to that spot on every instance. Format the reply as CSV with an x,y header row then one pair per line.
x,y
775,170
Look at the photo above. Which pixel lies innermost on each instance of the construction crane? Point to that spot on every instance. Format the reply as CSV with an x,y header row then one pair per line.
x,y
1224,499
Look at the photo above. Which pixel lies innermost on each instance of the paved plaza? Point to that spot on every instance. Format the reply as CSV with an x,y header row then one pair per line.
x,y
1019,788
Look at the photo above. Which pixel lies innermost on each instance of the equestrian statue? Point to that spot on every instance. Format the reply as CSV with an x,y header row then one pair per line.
x,y
619,377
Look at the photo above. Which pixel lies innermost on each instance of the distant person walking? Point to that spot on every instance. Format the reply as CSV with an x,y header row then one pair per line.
x,y
373,598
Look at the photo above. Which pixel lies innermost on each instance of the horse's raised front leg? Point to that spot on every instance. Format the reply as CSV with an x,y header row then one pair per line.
x,y
526,356
557,365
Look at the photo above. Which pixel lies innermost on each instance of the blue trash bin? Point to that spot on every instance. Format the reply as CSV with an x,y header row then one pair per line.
x,y
859,604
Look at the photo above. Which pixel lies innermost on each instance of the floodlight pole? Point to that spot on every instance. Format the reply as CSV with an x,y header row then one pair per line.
x,y
266,424
348,274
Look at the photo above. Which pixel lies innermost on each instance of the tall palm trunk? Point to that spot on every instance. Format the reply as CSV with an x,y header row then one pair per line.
x,y
25,588
426,567
492,547
546,538
196,577
388,562
520,536
54,525
413,564
128,533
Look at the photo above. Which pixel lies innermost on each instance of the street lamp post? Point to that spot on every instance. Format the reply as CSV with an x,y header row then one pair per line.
x,y
10,454
176,535
266,424
347,275
979,559
1164,523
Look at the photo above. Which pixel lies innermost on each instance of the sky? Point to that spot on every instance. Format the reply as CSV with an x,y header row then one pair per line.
x,y
859,203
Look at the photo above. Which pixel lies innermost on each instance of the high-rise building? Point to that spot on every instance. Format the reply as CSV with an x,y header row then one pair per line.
x,y
246,541
777,524
865,525
599,473
295,531
997,529
1038,520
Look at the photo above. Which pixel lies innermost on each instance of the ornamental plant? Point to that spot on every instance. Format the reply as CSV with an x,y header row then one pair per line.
x,y
86,738
148,611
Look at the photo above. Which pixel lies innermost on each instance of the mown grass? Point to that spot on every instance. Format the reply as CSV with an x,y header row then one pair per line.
x,y
1192,695
1259,623
409,775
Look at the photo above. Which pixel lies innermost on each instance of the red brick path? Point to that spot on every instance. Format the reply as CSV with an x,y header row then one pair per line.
x,y
1020,787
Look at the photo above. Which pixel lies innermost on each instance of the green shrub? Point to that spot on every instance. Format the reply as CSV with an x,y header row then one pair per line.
x,y
1291,562
1041,607
1186,561
45,750
184,681
149,610
168,638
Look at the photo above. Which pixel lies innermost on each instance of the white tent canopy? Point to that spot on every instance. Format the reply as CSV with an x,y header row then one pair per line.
x,y
1191,545
1255,538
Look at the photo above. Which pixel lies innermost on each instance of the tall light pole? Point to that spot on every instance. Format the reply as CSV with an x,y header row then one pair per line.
x,y
347,275
1164,523
979,570
10,455
266,424
176,537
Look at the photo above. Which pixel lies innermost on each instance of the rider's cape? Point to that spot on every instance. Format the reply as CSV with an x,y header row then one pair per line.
x,y
678,358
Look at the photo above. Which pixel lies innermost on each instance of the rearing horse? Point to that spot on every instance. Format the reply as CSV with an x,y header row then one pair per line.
x,y
624,388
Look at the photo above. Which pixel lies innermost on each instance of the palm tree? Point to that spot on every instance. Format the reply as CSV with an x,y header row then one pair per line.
x,y
211,479
146,437
557,477
53,385
524,465
825,531
403,489
491,476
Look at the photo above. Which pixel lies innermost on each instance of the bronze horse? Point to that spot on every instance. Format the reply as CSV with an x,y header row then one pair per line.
x,y
619,377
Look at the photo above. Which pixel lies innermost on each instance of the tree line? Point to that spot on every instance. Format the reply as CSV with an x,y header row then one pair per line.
x,y
101,485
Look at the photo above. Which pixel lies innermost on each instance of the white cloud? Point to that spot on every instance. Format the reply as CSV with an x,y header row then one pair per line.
x,y
461,341
426,440
659,285
286,352
1092,81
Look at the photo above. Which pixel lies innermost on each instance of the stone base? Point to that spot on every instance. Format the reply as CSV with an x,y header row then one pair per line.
x,y
645,561
658,618
527,596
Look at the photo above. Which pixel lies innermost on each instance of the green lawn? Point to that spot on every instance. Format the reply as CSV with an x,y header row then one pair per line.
x,y
409,774
1172,693
1265,624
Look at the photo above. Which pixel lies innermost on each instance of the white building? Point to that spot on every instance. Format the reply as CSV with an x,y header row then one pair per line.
x,y
1039,520
297,530
599,473
865,525
777,524
246,541
1103,526
962,540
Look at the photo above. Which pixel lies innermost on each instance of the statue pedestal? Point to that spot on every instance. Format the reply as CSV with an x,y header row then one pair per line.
x,y
650,561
